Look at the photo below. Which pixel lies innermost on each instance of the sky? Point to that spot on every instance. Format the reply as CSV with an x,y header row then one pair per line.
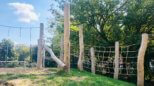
x,y
23,13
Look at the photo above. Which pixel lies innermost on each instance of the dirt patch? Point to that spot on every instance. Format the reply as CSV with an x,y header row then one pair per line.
x,y
17,82
78,78
4,83
24,71
21,82
27,76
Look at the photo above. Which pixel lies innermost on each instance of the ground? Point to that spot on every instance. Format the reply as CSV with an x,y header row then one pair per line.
x,y
50,77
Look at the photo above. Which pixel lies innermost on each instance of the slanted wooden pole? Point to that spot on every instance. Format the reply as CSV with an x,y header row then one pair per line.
x,y
81,54
140,60
93,60
41,50
116,60
58,61
67,36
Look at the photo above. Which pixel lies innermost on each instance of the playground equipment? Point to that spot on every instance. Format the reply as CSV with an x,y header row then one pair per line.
x,y
42,48
6,49
112,60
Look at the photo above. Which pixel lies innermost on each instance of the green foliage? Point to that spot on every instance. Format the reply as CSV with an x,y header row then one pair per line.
x,y
105,21
7,50
11,52
117,20
22,52
74,28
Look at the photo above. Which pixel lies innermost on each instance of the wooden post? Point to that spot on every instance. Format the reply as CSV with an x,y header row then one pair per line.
x,y
140,60
93,59
41,50
81,54
116,60
67,36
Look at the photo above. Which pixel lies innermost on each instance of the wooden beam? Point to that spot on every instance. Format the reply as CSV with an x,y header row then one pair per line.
x,y
81,54
116,60
140,60
58,61
67,36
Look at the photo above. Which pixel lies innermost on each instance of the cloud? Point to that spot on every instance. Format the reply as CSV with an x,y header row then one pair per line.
x,y
25,12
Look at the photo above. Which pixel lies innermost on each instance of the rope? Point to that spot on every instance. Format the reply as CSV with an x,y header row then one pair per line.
x,y
20,32
30,51
105,59
6,56
16,27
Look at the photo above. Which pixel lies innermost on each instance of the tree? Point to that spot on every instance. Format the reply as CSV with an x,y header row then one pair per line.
x,y
23,52
139,18
7,52
106,21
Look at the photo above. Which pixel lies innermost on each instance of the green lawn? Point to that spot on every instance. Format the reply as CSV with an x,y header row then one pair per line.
x,y
75,78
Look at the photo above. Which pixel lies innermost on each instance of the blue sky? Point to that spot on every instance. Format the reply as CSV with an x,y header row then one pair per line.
x,y
23,13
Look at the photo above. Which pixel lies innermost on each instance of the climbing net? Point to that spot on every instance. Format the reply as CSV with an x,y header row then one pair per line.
x,y
105,60
128,60
87,60
16,49
74,53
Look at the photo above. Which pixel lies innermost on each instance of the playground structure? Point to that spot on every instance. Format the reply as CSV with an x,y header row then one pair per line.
x,y
115,60
41,51
6,59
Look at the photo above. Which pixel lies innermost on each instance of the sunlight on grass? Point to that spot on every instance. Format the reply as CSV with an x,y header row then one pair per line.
x,y
75,78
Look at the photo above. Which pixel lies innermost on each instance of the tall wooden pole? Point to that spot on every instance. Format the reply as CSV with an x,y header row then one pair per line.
x,y
81,54
140,60
116,61
67,36
41,50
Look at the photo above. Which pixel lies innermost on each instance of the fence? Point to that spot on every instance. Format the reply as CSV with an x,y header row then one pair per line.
x,y
115,61
104,62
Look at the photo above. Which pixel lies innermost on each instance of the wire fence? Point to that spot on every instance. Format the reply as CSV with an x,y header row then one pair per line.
x,y
105,64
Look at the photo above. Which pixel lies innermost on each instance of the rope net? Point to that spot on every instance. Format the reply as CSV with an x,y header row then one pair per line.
x,y
105,60
17,49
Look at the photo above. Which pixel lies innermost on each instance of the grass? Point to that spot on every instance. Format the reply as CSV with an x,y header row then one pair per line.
x,y
74,78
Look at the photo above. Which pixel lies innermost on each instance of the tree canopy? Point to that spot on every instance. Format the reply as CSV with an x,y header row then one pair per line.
x,y
107,21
